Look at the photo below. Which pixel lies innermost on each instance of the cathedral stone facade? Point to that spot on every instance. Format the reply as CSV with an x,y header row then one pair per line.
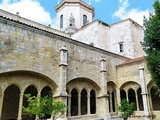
x,y
89,65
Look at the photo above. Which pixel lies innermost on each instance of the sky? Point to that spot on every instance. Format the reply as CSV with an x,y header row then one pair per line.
x,y
108,11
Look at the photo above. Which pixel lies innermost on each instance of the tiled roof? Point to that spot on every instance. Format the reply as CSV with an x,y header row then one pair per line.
x,y
133,61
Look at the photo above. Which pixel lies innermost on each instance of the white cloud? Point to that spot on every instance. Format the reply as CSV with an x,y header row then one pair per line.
x,y
30,9
134,13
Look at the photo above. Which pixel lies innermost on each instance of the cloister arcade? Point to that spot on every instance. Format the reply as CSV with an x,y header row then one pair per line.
x,y
132,92
14,86
82,97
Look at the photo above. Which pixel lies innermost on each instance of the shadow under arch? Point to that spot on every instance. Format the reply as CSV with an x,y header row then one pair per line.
x,y
29,73
150,85
83,79
111,86
10,103
129,84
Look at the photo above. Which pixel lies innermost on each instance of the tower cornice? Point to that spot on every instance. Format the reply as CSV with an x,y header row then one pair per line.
x,y
81,3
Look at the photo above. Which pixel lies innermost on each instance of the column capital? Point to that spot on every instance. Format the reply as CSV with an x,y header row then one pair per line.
x,y
64,48
141,68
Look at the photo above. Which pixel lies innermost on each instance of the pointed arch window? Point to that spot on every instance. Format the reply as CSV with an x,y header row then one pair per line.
x,y
84,19
61,21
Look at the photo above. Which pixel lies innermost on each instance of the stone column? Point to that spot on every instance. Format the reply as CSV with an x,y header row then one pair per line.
x,y
88,104
69,105
144,93
20,107
79,104
38,95
127,96
137,101
1,105
115,101
103,98
111,107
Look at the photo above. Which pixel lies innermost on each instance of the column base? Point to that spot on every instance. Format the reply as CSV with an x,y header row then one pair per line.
x,y
107,117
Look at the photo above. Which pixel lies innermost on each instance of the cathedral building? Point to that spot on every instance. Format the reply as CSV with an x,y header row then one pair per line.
x,y
89,65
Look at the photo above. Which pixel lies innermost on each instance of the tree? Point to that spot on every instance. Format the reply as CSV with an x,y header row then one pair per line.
x,y
151,43
126,108
44,106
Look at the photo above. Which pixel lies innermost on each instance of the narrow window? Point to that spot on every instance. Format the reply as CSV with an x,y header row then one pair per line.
x,y
61,21
84,19
121,46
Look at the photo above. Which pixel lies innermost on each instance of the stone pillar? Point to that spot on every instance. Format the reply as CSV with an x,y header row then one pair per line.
x,y
115,101
1,105
144,93
137,101
88,104
111,107
20,107
63,71
79,104
69,105
103,98
38,95
61,94
127,96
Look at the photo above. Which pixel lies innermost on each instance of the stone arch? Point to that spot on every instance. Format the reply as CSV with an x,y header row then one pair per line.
x,y
111,88
132,97
82,80
10,103
140,101
33,91
123,94
23,74
46,91
92,102
83,102
155,99
130,84
74,102
81,84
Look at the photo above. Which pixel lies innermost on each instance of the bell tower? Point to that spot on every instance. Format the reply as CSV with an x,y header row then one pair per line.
x,y
73,14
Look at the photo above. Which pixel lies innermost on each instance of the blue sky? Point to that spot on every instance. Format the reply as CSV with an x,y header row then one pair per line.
x,y
108,11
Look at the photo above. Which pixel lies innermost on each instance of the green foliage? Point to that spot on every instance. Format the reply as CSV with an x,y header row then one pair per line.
x,y
43,106
151,43
126,108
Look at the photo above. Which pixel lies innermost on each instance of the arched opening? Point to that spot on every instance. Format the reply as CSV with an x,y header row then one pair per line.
x,y
10,103
84,20
61,21
33,91
155,99
74,102
113,102
46,91
140,101
132,97
123,95
83,102
109,102
92,102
